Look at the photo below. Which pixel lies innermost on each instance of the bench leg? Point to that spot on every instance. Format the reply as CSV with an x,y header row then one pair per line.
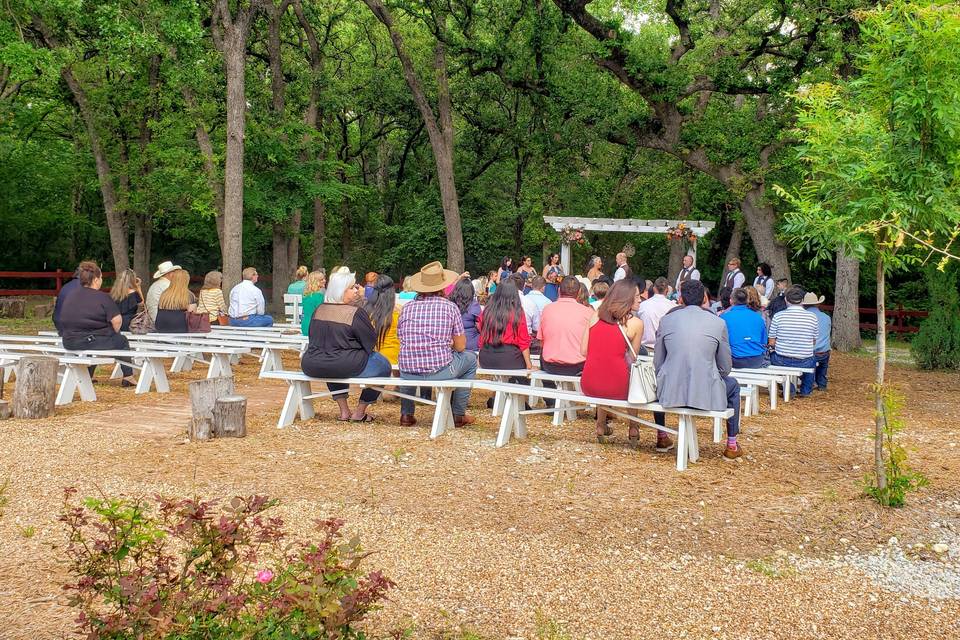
x,y
68,386
85,384
506,421
306,404
219,366
183,362
271,361
717,424
291,405
693,447
682,444
773,395
8,373
117,373
442,414
498,400
519,420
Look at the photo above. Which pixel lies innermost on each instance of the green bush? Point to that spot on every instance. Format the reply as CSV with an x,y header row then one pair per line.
x,y
937,345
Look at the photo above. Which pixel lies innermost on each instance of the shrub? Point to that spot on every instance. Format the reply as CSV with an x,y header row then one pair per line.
x,y
191,570
901,479
937,344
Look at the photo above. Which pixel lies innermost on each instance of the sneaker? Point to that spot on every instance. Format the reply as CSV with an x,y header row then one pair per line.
x,y
462,421
732,454
407,420
664,444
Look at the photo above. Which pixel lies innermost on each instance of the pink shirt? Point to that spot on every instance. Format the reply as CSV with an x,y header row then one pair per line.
x,y
561,330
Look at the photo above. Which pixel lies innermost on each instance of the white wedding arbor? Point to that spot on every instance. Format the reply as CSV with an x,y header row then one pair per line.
x,y
699,228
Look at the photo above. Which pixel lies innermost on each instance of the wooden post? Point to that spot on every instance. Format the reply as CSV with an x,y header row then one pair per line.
x,y
203,398
36,389
565,258
230,417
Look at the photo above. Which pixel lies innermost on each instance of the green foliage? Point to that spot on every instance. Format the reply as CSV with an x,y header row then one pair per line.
x,y
900,478
937,345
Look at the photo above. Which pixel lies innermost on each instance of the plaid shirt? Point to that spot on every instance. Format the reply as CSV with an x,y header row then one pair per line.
x,y
426,329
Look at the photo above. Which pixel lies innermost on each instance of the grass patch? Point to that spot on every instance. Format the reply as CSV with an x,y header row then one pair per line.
x,y
769,568
4,498
550,629
28,531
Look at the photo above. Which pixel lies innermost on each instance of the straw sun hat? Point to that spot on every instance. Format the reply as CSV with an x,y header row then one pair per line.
x,y
432,277
164,268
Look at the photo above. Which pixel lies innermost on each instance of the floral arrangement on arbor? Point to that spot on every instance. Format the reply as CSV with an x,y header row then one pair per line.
x,y
629,250
573,235
682,232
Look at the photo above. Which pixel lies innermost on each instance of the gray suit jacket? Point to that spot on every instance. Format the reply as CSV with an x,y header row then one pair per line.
x,y
691,356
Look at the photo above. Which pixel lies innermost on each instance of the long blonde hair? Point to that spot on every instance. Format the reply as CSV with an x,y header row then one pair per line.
x,y
315,282
124,282
177,297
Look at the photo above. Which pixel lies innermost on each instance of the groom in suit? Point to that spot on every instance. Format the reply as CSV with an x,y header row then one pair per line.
x,y
692,360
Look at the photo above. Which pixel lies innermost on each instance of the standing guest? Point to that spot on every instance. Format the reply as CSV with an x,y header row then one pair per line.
x,y
299,281
527,272
604,345
692,361
247,306
126,293
747,331
211,296
175,303
90,319
341,345
534,303
821,350
623,269
493,279
382,308
793,337
733,279
779,302
599,290
653,309
551,289
313,292
688,272
433,342
552,266
66,289
161,280
504,340
764,281
506,269
465,298
594,268
407,294
561,331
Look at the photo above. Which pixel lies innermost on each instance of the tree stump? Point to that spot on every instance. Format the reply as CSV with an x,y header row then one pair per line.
x,y
5,409
43,310
13,307
36,389
230,417
203,397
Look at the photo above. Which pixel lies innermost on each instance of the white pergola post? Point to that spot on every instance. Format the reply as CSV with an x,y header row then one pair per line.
x,y
565,258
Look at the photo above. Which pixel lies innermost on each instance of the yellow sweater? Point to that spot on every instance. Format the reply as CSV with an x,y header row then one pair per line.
x,y
390,349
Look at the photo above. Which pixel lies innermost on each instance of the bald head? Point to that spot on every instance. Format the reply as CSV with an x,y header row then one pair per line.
x,y
621,258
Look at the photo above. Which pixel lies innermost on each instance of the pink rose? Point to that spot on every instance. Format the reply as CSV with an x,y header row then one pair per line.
x,y
264,576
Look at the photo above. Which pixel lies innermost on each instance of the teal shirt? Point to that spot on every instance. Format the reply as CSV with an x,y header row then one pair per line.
x,y
308,306
297,287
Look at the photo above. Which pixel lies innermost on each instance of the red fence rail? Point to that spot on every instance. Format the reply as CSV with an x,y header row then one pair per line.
x,y
897,318
60,277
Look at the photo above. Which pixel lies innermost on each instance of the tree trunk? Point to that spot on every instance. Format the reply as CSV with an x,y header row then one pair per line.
x,y
761,222
214,182
879,414
675,262
344,231
281,265
736,242
36,390
230,417
846,300
203,397
319,232
142,241
293,241
234,57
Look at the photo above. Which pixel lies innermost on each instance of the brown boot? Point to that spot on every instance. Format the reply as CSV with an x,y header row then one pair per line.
x,y
732,454
407,420
462,421
664,442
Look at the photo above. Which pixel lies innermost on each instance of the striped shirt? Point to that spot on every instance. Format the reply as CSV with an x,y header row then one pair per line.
x,y
795,330
426,329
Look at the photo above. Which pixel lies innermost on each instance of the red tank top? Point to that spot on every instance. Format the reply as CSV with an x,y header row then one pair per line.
x,y
605,372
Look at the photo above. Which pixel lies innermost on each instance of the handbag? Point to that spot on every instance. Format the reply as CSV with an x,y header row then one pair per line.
x,y
643,378
141,323
197,322
223,320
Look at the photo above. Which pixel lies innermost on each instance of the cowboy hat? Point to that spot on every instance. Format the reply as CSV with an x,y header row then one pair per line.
x,y
432,277
810,299
164,268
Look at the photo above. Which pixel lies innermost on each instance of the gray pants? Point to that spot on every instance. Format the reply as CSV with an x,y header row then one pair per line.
x,y
462,367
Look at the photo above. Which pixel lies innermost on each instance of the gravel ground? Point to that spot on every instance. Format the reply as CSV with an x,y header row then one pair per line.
x,y
556,537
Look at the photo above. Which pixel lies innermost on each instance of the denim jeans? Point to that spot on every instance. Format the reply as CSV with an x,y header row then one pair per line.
x,y
377,367
822,364
806,379
463,366
751,362
253,320
733,402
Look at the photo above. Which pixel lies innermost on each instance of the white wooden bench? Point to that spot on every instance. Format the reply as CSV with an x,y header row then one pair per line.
x,y
293,307
72,374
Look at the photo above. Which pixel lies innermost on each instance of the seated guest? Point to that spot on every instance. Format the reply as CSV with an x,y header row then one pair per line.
x,y
534,303
692,360
369,281
65,290
604,345
747,331
211,299
504,340
599,289
653,309
583,296
90,319
299,281
174,304
247,306
341,345
433,342
755,300
793,337
407,294
764,281
161,280
778,303
465,298
381,306
313,290
126,293
561,332
821,350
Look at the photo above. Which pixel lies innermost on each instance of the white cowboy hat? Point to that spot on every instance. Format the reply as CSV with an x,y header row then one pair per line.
x,y
164,268
432,277
810,299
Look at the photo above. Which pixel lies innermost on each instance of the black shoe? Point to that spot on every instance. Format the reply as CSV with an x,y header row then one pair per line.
x,y
126,383
490,403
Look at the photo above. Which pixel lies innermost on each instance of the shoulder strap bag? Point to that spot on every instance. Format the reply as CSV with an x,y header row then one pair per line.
x,y
643,379
141,323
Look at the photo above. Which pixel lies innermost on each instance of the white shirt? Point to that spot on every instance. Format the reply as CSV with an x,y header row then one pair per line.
x,y
738,279
651,311
620,274
153,296
246,299
694,275
533,304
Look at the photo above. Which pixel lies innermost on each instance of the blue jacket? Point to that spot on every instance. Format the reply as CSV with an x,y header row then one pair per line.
x,y
747,330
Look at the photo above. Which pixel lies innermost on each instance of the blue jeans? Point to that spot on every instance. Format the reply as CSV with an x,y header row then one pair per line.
x,y
377,367
751,362
463,366
806,379
253,320
822,364
733,402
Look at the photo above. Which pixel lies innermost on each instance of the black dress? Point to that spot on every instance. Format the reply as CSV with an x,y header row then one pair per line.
x,y
128,308
172,320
